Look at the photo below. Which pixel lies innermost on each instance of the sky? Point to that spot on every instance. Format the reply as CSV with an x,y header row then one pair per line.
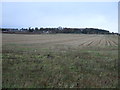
x,y
102,15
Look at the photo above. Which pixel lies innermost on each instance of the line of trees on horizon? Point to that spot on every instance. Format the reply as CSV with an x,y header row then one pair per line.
x,y
57,30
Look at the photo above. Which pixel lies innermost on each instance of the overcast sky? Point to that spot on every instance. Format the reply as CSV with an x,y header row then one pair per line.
x,y
102,15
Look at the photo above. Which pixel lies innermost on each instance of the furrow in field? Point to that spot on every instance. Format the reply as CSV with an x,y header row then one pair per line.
x,y
74,41
90,43
114,42
97,41
109,43
86,43
66,41
103,42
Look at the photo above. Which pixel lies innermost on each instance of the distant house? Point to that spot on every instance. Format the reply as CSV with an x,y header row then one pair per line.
x,y
60,28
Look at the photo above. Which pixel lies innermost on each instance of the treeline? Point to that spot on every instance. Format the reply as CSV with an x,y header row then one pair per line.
x,y
57,30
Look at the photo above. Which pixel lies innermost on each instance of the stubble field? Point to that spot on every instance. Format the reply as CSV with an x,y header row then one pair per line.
x,y
59,61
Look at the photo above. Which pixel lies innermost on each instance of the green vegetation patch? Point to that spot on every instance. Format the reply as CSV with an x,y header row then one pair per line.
x,y
64,67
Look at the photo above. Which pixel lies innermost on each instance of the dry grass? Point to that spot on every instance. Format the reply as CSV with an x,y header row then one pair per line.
x,y
60,60
64,39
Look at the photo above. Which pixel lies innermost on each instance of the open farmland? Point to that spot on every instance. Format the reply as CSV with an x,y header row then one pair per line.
x,y
63,39
59,60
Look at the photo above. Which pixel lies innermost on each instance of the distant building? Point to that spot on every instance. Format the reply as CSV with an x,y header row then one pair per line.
x,y
60,28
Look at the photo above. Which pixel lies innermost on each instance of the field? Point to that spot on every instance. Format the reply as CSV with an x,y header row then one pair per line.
x,y
59,61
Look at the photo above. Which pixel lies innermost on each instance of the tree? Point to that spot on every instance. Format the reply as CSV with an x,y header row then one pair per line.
x,y
30,30
36,29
